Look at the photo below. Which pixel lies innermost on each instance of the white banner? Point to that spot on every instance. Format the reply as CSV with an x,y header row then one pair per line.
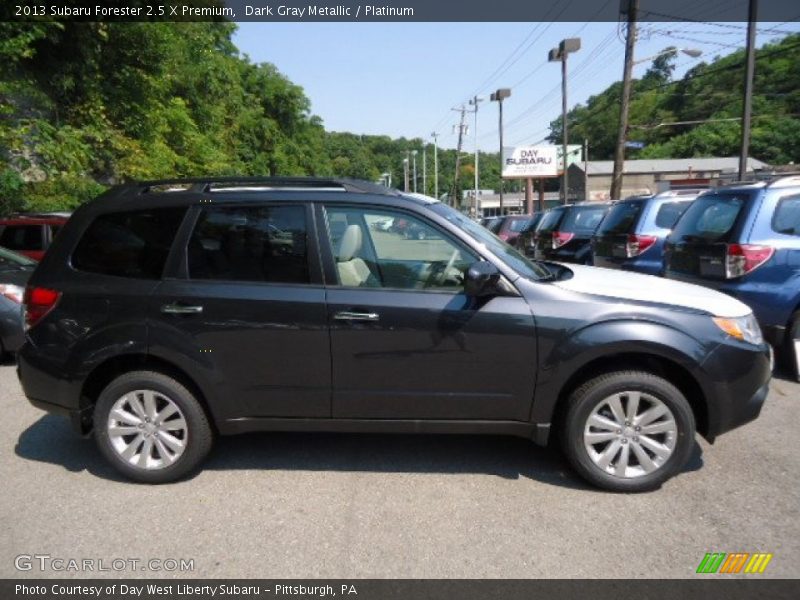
x,y
530,161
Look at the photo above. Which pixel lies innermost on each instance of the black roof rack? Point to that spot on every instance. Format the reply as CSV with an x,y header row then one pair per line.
x,y
206,184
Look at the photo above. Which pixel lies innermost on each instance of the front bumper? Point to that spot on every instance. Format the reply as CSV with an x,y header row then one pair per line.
x,y
739,376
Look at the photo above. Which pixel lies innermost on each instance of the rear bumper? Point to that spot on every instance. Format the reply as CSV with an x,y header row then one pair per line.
x,y
80,419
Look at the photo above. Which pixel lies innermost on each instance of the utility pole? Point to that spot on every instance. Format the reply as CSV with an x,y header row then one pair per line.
x,y
619,151
475,102
461,128
752,16
414,158
424,170
405,172
586,169
435,137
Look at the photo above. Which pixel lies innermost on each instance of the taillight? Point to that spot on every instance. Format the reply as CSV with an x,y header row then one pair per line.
x,y
741,259
38,302
560,238
638,244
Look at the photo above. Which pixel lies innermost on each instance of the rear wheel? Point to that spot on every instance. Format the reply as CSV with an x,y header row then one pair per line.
x,y
151,428
628,431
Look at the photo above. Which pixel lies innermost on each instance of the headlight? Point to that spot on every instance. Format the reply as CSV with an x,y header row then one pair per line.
x,y
742,328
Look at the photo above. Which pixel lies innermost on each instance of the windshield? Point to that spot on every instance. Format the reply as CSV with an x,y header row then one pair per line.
x,y
491,242
711,218
12,259
583,219
621,218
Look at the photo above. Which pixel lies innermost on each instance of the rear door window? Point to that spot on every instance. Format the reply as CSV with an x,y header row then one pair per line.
x,y
22,237
267,244
787,216
621,218
710,218
128,244
669,213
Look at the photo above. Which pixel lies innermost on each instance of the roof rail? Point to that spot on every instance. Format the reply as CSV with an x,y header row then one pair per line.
x,y
207,184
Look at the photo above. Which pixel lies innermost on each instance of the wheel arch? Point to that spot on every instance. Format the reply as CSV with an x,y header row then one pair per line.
x,y
105,372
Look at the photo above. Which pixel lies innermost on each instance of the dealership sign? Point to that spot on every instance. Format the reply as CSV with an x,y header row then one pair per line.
x,y
530,161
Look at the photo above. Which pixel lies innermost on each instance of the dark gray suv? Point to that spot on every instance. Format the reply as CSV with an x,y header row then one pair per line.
x,y
168,312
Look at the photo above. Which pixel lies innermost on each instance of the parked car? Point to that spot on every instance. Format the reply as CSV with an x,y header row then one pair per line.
x,y
744,240
15,270
323,336
510,227
632,235
564,233
31,234
487,221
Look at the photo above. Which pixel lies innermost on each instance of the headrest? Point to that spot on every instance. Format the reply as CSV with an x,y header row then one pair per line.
x,y
350,245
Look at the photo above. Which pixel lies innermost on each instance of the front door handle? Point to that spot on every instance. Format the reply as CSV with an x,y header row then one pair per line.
x,y
346,315
181,309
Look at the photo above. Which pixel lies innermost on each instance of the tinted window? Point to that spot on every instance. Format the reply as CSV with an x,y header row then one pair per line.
x,y
260,243
710,218
129,244
621,218
787,216
410,255
496,225
518,225
550,220
583,219
669,213
22,237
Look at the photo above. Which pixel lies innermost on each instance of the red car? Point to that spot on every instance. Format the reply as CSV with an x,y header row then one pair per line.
x,y
508,228
31,234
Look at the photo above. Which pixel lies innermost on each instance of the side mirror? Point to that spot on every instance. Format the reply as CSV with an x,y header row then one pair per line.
x,y
482,279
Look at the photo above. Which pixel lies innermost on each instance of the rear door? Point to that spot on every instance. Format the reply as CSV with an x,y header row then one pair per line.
x,y
246,307
697,246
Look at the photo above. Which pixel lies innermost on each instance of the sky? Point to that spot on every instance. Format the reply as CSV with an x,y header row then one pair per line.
x,y
404,79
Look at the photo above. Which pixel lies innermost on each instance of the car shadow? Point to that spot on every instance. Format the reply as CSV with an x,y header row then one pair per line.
x,y
50,440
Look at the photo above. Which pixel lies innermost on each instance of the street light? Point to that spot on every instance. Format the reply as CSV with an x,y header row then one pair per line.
x,y
498,96
414,158
693,52
405,174
565,47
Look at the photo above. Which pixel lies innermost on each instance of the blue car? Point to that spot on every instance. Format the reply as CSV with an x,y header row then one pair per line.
x,y
632,235
744,240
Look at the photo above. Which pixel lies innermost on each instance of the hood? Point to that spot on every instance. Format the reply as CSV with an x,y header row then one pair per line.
x,y
648,288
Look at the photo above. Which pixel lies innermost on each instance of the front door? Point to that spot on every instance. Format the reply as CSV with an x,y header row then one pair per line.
x,y
406,342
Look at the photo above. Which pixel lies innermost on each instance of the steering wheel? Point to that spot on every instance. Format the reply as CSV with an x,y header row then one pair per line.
x,y
441,276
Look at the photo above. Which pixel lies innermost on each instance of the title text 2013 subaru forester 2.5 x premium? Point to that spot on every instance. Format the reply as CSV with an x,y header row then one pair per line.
x,y
168,312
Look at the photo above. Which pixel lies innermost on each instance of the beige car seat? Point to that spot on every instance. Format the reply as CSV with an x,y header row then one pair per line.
x,y
353,271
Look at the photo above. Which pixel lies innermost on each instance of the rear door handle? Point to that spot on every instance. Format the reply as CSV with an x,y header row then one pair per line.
x,y
346,315
181,309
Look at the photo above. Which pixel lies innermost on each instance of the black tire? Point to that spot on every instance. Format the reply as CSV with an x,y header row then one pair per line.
x,y
199,438
583,401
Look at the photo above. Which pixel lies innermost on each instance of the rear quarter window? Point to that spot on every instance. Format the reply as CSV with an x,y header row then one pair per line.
x,y
669,213
786,219
128,244
22,237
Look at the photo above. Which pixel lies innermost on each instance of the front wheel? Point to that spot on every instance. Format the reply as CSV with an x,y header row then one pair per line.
x,y
628,431
151,428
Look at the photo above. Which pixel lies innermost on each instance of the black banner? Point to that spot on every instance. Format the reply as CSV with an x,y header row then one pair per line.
x,y
387,10
705,587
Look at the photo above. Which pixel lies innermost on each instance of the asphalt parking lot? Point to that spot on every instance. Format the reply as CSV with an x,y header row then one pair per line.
x,y
359,506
